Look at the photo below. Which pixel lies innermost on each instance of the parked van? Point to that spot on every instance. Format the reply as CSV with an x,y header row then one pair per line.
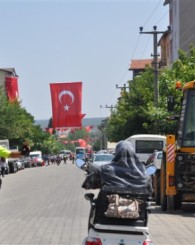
x,y
146,144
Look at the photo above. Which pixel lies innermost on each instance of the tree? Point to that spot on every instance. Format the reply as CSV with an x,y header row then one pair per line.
x,y
136,113
130,114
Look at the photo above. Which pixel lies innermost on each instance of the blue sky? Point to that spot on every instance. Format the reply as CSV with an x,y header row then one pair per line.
x,y
91,41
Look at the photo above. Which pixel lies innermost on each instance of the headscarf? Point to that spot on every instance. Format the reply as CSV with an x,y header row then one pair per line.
x,y
125,170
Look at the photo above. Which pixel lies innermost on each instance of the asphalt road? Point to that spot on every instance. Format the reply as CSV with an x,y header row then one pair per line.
x,y
45,205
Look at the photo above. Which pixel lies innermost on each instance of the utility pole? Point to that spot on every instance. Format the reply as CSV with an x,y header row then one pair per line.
x,y
111,107
155,58
122,88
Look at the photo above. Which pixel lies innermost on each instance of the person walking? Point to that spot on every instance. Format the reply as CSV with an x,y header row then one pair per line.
x,y
65,158
3,166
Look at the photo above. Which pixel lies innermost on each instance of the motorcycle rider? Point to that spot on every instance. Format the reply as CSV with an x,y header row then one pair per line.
x,y
123,173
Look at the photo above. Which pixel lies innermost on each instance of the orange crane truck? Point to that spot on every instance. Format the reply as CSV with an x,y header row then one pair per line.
x,y
175,181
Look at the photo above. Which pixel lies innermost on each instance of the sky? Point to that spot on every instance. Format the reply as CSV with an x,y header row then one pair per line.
x,y
88,41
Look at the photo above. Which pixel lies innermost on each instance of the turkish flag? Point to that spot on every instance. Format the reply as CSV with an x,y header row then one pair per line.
x,y
11,85
66,104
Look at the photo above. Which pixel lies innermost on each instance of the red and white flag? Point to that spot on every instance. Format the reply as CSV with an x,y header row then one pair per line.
x,y
11,85
66,104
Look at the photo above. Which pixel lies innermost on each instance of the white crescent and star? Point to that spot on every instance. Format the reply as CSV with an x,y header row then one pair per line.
x,y
69,93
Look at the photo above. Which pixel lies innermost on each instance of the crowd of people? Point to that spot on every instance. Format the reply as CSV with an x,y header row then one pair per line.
x,y
58,159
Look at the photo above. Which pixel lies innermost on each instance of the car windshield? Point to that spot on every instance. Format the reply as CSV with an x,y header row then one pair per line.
x,y
102,158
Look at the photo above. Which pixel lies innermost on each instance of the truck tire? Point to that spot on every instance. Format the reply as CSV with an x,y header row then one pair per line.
x,y
178,201
163,196
170,203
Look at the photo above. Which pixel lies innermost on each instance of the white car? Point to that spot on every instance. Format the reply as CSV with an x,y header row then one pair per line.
x,y
155,159
102,152
99,160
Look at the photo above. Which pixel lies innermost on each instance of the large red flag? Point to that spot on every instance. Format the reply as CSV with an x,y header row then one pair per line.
x,y
66,104
11,85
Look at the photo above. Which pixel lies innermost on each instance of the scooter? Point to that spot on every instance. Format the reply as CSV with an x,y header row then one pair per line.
x,y
118,231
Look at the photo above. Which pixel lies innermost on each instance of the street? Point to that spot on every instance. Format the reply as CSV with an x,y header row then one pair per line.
x,y
45,205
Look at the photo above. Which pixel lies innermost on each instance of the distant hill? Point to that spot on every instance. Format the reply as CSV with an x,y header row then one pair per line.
x,y
93,121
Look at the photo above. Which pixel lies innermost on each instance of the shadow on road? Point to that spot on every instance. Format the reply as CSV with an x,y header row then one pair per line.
x,y
187,210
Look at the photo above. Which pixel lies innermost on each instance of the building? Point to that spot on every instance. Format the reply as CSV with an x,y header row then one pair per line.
x,y
139,66
164,44
9,82
6,72
181,18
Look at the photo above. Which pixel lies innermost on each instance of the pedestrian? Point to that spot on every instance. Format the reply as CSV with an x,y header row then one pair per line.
x,y
73,158
65,159
3,166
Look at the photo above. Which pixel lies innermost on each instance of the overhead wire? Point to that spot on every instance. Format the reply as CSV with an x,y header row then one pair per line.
x,y
125,71
147,43
161,18
152,13
137,43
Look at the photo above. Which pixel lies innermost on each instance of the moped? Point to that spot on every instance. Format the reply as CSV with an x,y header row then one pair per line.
x,y
113,230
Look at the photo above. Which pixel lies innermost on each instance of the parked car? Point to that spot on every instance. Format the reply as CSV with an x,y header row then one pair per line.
x,y
20,164
36,161
155,158
102,152
7,168
27,162
13,168
99,160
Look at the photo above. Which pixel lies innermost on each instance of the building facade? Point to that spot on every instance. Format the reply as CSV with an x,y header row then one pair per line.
x,y
6,72
181,21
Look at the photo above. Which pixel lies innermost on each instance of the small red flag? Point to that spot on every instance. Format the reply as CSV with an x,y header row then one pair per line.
x,y
66,104
11,85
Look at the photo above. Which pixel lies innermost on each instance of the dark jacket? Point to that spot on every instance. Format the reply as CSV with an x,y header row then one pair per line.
x,y
125,171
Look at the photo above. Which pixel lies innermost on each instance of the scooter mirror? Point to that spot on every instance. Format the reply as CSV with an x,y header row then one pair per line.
x,y
80,163
151,169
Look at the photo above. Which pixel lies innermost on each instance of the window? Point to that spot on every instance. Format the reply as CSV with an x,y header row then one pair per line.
x,y
147,146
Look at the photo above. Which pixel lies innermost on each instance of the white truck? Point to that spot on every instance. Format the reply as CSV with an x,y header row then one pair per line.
x,y
5,143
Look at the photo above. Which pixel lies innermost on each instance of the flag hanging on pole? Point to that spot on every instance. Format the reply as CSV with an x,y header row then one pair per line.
x,y
66,104
11,86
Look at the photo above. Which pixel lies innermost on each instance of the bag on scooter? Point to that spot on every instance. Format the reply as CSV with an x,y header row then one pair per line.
x,y
120,207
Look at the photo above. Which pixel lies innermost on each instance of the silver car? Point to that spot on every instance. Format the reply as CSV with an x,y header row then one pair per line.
x,y
99,160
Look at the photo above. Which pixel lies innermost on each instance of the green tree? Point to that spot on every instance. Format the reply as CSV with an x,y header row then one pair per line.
x,y
130,114
136,112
